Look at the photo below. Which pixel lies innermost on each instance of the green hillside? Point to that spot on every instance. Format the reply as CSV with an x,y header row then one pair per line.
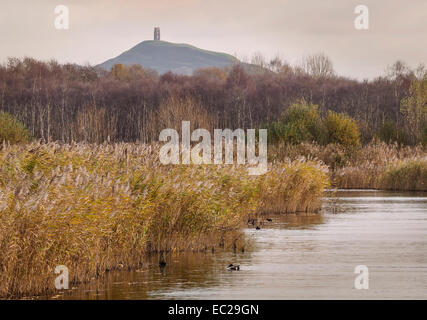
x,y
165,56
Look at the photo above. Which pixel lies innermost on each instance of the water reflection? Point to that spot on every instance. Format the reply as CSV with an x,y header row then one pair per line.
x,y
182,272
297,221
294,256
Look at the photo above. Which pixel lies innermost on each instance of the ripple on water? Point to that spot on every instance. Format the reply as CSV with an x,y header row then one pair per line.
x,y
299,256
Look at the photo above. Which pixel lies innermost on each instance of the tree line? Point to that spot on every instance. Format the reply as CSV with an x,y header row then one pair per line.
x,y
69,102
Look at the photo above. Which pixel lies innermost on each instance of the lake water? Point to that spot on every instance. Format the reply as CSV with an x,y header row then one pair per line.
x,y
298,256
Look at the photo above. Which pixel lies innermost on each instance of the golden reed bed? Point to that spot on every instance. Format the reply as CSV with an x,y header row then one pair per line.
x,y
95,207
377,165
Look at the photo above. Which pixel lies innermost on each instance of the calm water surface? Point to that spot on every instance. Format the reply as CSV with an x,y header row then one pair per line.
x,y
304,256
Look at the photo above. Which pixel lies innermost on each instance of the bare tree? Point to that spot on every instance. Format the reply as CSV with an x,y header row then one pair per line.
x,y
318,65
259,60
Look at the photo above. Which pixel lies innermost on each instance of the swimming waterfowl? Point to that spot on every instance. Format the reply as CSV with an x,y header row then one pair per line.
x,y
233,267
258,227
269,219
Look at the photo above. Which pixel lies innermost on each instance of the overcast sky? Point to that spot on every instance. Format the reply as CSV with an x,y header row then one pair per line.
x,y
102,29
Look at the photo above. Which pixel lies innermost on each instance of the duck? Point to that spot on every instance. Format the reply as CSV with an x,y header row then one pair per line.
x,y
233,267
269,219
258,228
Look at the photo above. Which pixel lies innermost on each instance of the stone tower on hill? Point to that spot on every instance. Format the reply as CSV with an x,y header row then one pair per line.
x,y
157,33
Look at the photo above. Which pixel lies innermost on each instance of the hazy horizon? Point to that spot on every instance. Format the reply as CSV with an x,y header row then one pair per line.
x,y
100,30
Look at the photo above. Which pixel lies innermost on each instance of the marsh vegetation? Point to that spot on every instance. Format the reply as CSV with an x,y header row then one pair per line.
x,y
81,184
96,207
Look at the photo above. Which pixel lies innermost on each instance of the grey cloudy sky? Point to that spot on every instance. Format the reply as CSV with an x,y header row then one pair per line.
x,y
101,29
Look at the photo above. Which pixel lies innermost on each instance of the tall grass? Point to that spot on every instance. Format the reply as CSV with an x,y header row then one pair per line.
x,y
293,186
384,166
96,207
377,165
405,175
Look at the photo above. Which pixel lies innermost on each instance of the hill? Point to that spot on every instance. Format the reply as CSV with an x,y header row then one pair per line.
x,y
165,56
